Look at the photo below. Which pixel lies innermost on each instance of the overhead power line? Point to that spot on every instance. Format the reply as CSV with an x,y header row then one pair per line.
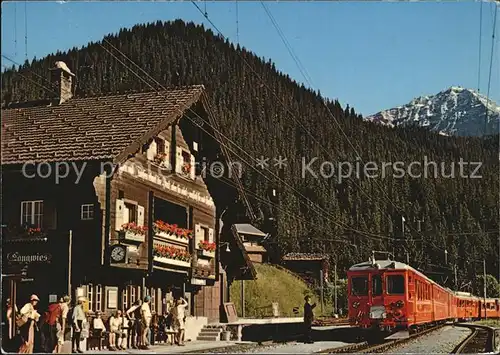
x,y
319,209
491,65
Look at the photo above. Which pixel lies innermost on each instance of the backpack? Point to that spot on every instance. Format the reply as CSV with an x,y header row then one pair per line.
x,y
53,314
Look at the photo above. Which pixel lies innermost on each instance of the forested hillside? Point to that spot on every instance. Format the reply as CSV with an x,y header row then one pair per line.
x,y
266,113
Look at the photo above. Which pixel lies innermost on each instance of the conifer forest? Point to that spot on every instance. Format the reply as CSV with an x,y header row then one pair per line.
x,y
437,222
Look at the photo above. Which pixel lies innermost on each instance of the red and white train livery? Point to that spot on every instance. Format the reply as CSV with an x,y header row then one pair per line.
x,y
390,295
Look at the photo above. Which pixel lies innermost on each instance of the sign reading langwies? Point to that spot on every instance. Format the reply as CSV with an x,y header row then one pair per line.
x,y
17,257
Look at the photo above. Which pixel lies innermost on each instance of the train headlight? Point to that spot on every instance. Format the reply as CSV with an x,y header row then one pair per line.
x,y
355,305
400,303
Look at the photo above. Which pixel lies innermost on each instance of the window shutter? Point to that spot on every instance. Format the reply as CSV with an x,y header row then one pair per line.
x,y
151,152
211,235
140,215
178,160
49,215
167,153
197,234
119,214
193,162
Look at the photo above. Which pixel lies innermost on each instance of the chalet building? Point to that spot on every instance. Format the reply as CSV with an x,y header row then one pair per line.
x,y
310,267
103,197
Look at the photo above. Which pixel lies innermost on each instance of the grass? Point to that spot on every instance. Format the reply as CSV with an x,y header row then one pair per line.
x,y
489,322
273,285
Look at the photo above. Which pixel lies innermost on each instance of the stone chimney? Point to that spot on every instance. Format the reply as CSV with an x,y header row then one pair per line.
x,y
62,82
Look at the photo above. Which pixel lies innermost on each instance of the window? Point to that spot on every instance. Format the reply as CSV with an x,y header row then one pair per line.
x,y
186,157
396,284
98,298
359,286
87,212
153,300
90,296
130,213
133,296
125,300
376,285
32,213
160,146
205,234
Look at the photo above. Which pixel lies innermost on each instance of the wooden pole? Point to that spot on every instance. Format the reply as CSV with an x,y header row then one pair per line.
x,y
13,302
321,288
242,298
335,288
70,249
484,287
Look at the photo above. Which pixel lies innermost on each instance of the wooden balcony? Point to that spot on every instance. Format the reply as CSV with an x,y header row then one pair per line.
x,y
171,238
174,262
132,236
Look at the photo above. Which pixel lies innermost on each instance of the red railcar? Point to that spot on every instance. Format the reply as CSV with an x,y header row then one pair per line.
x,y
390,295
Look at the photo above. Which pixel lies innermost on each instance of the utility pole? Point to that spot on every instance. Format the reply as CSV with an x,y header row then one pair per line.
x,y
484,286
456,282
321,289
70,249
242,298
335,287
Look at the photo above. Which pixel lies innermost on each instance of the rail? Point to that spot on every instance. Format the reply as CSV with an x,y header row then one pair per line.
x,y
481,340
366,347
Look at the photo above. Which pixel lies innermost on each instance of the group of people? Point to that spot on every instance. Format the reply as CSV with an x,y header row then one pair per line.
x,y
134,327
37,332
45,332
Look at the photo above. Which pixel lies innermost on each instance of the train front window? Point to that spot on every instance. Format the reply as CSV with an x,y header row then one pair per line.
x,y
359,286
376,285
396,285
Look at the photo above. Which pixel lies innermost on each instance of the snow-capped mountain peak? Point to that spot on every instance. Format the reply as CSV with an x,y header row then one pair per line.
x,y
454,111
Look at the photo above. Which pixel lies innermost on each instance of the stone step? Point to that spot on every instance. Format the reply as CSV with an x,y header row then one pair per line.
x,y
207,338
209,334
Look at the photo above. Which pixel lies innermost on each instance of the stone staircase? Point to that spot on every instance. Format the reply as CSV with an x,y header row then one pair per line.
x,y
210,333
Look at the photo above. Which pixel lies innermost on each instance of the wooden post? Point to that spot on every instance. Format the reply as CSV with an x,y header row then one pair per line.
x,y
13,302
335,288
321,289
484,287
242,298
70,250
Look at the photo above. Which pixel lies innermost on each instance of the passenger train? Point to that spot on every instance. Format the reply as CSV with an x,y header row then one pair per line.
x,y
388,295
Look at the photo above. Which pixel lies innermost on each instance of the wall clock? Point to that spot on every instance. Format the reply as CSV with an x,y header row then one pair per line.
x,y
118,253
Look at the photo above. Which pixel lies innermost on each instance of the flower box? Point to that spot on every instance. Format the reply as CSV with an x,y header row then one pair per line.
x,y
207,253
169,261
131,235
172,237
163,229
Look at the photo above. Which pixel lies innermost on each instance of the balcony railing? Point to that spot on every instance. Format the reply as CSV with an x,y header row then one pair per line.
x,y
171,255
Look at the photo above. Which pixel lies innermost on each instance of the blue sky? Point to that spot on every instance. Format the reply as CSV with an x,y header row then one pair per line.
x,y
371,55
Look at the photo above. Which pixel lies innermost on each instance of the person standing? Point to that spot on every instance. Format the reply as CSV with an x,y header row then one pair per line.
x,y
50,327
133,314
10,316
308,319
30,317
77,322
179,314
146,321
64,304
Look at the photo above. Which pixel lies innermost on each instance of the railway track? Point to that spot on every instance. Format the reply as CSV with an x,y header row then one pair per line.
x,y
479,341
365,347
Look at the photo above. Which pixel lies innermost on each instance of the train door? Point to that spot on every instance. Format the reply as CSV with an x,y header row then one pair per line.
x,y
376,284
411,298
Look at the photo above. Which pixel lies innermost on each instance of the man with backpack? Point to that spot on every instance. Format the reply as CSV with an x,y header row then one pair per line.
x,y
50,327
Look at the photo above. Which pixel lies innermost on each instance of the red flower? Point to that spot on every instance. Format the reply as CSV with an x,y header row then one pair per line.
x,y
206,245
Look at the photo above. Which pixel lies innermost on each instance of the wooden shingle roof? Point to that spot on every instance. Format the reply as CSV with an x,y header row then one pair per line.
x,y
90,128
